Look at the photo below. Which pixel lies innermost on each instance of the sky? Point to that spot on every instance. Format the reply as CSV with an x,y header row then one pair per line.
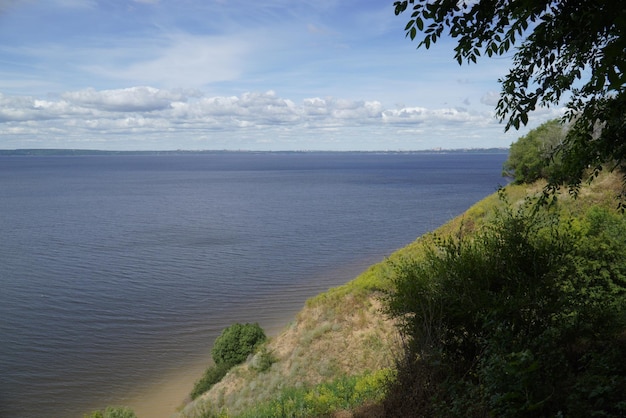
x,y
238,75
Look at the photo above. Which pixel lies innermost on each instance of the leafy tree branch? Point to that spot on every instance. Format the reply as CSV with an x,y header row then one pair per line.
x,y
572,51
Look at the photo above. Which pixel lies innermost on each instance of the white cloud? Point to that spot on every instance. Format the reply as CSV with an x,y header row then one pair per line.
x,y
448,116
132,99
172,119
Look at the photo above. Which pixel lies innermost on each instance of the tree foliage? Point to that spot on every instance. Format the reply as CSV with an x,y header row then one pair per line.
x,y
530,157
524,319
571,50
236,343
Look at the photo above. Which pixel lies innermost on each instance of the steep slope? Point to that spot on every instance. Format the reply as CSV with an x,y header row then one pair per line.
x,y
344,331
338,333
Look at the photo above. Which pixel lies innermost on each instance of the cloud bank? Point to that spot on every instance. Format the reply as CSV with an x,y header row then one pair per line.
x,y
147,117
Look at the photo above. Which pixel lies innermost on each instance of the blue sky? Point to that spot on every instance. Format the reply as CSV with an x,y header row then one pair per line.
x,y
255,75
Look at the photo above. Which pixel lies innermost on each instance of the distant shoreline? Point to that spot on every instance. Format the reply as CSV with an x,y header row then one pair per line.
x,y
92,152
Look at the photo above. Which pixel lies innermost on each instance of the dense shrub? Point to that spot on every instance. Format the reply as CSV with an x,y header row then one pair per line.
x,y
113,412
532,157
236,343
524,319
212,375
232,347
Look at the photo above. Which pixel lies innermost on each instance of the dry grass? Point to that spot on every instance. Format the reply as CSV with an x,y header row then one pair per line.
x,y
328,339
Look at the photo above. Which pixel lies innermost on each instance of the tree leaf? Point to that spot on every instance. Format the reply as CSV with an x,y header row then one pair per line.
x,y
524,117
420,24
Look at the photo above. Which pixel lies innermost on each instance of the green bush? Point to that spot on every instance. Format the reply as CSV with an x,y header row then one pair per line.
x,y
232,347
532,157
212,375
524,319
236,343
113,412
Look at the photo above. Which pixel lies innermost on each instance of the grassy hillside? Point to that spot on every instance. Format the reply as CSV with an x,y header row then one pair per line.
x,y
340,350
339,333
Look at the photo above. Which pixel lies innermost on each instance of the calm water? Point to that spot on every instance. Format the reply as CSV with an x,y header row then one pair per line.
x,y
118,270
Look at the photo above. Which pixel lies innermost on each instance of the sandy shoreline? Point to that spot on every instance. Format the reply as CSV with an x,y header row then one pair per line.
x,y
162,399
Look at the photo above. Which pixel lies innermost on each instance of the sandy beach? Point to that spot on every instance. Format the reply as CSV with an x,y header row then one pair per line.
x,y
162,399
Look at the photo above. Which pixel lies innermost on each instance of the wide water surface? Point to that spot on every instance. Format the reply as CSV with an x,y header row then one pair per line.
x,y
118,271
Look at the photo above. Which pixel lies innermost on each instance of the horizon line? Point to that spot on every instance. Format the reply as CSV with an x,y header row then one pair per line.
x,y
27,151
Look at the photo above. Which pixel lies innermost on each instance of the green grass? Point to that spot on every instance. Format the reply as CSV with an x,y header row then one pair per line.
x,y
343,393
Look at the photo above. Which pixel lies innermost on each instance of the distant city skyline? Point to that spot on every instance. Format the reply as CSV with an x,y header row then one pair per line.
x,y
212,75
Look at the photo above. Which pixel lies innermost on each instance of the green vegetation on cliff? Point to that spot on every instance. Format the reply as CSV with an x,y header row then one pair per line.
x,y
526,315
532,156
232,347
